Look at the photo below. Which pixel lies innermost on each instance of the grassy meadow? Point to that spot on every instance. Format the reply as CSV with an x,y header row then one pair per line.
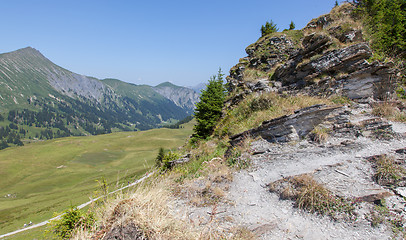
x,y
44,177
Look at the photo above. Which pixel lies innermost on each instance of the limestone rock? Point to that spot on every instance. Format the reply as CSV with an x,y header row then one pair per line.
x,y
269,51
289,127
346,35
320,22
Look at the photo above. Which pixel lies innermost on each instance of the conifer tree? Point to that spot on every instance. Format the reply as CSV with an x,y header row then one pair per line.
x,y
209,109
292,25
160,157
269,27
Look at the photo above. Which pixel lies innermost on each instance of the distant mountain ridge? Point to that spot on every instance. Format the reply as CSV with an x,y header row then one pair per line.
x,y
181,96
31,84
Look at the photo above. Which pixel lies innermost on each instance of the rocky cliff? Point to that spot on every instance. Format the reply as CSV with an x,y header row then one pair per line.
x,y
183,97
330,56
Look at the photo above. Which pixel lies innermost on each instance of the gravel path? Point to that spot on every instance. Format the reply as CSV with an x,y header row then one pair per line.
x,y
340,164
342,168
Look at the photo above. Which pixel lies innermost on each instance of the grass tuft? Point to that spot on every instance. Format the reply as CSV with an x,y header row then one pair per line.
x,y
313,197
319,134
387,171
390,111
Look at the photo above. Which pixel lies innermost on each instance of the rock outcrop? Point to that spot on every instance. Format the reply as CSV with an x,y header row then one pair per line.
x,y
288,128
328,57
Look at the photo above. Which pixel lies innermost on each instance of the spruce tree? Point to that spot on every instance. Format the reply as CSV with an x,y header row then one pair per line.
x,y
269,27
292,25
209,109
160,157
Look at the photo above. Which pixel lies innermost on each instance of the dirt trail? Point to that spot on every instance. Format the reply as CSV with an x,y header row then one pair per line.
x,y
339,164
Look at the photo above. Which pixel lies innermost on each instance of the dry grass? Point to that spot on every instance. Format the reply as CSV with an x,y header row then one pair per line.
x,y
253,110
251,75
342,15
387,171
312,196
148,208
389,110
243,233
319,134
207,190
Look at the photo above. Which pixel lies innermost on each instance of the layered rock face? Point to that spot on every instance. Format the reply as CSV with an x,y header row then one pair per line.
x,y
288,128
329,56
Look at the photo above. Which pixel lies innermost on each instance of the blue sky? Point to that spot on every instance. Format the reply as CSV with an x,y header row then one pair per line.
x,y
147,42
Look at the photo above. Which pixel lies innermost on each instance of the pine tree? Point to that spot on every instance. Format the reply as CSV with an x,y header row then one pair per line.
x,y
160,157
387,24
292,25
209,109
269,27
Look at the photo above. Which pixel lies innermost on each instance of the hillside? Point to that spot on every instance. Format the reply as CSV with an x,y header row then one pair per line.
x,y
42,100
45,177
310,144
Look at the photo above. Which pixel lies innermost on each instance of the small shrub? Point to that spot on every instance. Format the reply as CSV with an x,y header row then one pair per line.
x,y
239,156
203,152
260,103
72,220
102,191
400,92
168,159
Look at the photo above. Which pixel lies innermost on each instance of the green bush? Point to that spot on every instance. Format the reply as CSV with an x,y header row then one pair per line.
x,y
72,219
168,159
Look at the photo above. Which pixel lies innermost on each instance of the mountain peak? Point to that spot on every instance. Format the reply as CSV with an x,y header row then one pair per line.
x,y
30,51
166,84
27,52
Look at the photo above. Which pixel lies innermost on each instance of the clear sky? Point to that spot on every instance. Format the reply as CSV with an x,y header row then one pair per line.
x,y
147,42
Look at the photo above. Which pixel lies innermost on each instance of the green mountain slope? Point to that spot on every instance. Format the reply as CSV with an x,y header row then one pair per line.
x,y
42,100
39,179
